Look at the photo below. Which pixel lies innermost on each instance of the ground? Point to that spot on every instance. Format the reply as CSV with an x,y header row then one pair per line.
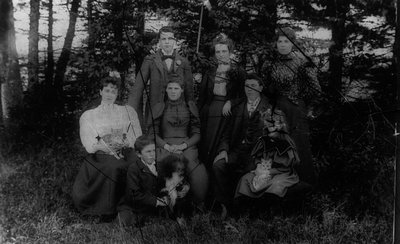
x,y
36,208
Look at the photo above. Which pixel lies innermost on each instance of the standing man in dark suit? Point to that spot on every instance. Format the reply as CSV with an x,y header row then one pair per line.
x,y
239,137
156,68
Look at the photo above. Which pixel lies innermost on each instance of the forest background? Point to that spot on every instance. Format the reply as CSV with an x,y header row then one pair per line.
x,y
353,143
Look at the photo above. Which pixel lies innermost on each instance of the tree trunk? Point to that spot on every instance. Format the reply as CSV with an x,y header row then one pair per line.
x,y
91,31
63,60
50,57
396,222
11,88
339,9
33,56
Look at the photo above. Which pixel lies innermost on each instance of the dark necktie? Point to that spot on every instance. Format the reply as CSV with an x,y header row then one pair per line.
x,y
164,57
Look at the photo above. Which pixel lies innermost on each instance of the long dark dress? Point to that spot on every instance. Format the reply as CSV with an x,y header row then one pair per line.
x,y
177,122
294,83
210,106
100,182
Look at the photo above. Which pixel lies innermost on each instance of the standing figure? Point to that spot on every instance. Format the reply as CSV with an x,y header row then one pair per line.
x,y
155,70
218,88
177,129
239,138
108,133
294,85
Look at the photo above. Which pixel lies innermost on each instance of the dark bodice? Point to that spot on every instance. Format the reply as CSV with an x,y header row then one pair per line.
x,y
176,120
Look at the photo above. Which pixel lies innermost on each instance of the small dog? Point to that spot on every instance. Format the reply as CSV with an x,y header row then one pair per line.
x,y
172,170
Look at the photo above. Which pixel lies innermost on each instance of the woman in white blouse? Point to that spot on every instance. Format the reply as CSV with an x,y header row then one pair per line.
x,y
108,132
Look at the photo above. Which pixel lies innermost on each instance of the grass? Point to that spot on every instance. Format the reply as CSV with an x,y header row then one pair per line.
x,y
36,207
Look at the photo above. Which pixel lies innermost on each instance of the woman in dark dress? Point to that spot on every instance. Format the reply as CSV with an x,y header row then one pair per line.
x,y
108,133
294,84
218,88
177,129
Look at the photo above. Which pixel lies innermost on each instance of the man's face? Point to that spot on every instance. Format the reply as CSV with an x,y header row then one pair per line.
x,y
109,94
222,52
284,45
252,88
167,42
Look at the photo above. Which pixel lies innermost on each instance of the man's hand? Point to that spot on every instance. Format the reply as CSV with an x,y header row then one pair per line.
x,y
226,110
169,148
162,202
183,192
221,155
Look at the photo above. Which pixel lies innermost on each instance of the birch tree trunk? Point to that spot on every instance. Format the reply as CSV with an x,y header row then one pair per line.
x,y
11,88
50,57
63,60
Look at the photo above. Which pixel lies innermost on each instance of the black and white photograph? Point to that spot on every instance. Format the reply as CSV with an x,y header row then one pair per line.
x,y
200,121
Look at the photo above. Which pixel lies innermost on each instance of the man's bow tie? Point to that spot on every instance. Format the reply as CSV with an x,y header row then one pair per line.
x,y
164,57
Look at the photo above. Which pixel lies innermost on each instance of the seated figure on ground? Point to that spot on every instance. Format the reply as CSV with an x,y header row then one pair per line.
x,y
275,156
151,187
239,138
177,132
108,132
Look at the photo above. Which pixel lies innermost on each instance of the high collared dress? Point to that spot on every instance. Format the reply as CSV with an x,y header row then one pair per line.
x,y
293,81
219,85
178,122
100,182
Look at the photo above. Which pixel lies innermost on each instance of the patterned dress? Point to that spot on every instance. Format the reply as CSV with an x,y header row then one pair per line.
x,y
294,84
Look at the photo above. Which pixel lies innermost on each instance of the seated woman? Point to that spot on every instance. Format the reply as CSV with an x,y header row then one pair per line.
x,y
150,184
275,155
108,132
177,130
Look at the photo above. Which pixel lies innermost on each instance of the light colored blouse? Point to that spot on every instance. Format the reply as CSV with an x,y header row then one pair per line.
x,y
118,126
221,80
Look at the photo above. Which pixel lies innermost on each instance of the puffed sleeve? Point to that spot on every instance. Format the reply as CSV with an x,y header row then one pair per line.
x,y
87,132
134,130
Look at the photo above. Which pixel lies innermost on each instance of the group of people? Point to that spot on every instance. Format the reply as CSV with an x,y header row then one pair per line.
x,y
245,136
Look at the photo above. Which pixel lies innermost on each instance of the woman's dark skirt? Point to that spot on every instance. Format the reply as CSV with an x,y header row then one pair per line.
x,y
212,128
299,131
100,183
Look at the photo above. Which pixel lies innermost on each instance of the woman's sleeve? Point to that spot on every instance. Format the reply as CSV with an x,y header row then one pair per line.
x,y
158,111
134,130
194,130
237,76
311,88
203,94
87,133
135,189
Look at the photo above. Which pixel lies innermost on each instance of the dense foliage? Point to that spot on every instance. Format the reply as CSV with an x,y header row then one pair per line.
x,y
352,137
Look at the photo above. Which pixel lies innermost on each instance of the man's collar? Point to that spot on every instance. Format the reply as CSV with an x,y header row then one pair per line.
x,y
257,100
167,54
